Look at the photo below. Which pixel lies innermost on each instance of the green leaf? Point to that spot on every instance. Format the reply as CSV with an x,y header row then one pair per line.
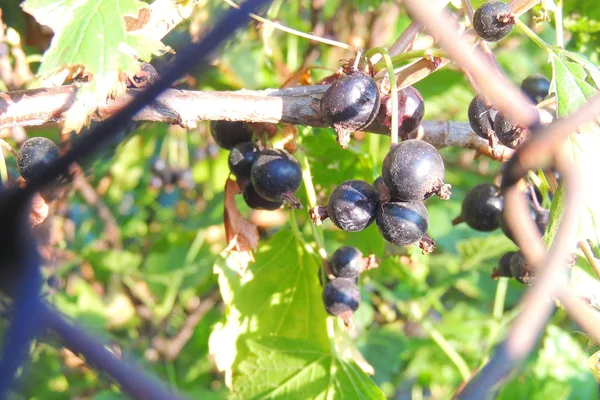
x,y
91,34
298,369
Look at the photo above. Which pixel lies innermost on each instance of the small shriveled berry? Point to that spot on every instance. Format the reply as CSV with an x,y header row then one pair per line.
x,y
521,270
536,87
493,21
276,176
482,206
350,104
481,119
411,109
508,132
413,170
403,223
254,201
352,206
341,298
229,133
240,160
35,156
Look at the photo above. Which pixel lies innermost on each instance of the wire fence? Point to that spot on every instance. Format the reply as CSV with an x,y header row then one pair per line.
x,y
20,276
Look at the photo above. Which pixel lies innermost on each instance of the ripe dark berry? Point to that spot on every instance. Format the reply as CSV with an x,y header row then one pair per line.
x,y
493,21
508,132
352,206
35,156
348,262
350,104
482,206
521,270
411,109
481,119
241,157
536,87
503,269
341,298
254,201
403,223
413,170
276,176
229,133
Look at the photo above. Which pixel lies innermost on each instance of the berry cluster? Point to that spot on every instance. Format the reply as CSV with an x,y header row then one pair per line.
x,y
413,171
267,177
341,296
494,126
482,210
165,175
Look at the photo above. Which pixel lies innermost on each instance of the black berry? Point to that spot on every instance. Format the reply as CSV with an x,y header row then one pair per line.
x,y
411,109
482,206
229,133
35,156
536,87
348,262
341,298
508,132
413,170
276,176
403,223
521,270
254,201
241,157
503,269
350,104
536,213
493,21
481,119
352,206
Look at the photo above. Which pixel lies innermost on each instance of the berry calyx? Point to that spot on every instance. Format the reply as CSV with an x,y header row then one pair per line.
x,y
481,119
350,104
411,109
482,206
405,223
348,262
493,21
256,202
229,133
508,132
276,176
352,206
240,160
341,298
536,87
503,268
35,156
521,270
413,170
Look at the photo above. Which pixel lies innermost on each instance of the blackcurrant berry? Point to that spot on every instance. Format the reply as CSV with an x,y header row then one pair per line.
x,y
493,21
352,206
254,201
350,104
536,87
35,156
521,270
241,157
481,119
503,269
229,133
411,109
348,262
508,132
276,176
482,206
341,298
403,223
539,216
413,170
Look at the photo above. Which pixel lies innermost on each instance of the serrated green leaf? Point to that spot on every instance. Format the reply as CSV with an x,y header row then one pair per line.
x,y
281,368
91,34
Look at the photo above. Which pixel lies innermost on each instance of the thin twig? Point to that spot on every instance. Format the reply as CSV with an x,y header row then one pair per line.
x,y
584,246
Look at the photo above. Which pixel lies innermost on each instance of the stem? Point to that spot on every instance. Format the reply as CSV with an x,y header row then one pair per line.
x,y
558,23
589,255
394,94
500,298
447,348
532,35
